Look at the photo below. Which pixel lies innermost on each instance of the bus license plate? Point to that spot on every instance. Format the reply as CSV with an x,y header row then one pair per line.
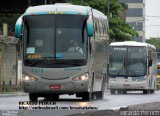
x,y
126,85
54,86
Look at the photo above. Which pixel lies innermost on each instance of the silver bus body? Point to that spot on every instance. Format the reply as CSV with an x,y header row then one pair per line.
x,y
53,76
132,67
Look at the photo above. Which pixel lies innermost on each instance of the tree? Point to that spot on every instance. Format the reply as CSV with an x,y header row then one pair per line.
x,y
10,19
155,42
119,30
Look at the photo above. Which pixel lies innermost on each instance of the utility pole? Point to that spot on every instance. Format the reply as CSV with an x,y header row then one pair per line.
x,y
5,30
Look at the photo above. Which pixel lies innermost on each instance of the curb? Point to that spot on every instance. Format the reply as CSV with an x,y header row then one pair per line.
x,y
14,94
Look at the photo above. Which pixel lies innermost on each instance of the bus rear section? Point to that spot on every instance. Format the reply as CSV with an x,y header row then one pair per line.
x,y
132,67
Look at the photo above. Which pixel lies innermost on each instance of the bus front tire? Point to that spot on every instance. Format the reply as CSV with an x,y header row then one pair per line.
x,y
55,97
124,91
113,91
100,95
52,97
33,97
119,91
152,91
146,91
87,96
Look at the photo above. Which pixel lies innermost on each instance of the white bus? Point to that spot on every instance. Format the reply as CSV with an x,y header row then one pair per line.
x,y
51,65
132,66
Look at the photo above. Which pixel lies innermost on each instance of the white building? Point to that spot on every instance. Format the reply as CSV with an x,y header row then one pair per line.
x,y
135,16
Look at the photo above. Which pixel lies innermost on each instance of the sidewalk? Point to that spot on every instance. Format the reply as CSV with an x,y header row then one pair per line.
x,y
147,109
11,94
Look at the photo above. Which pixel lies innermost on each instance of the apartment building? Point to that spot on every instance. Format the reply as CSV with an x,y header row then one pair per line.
x,y
135,17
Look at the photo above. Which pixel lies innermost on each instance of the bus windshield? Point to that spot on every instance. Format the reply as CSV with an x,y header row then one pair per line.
x,y
56,37
128,61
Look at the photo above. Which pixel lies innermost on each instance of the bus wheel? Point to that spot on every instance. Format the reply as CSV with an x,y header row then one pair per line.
x,y
47,98
100,95
152,91
113,91
52,97
124,91
119,91
146,91
55,97
33,97
87,96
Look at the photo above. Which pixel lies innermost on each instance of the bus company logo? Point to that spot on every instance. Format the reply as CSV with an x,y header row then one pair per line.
x,y
71,69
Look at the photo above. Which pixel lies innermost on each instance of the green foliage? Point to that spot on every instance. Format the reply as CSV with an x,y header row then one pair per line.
x,y
119,30
10,20
155,42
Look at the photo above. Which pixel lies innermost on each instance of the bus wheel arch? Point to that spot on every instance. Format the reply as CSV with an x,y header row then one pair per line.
x,y
87,96
100,94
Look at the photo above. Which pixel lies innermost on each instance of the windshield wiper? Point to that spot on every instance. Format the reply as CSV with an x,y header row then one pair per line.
x,y
75,64
41,60
135,75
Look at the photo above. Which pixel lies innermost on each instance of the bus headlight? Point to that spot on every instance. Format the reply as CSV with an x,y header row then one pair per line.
x,y
158,76
29,78
81,78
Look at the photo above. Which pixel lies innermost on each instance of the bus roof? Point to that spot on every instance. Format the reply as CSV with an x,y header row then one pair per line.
x,y
65,8
132,43
58,7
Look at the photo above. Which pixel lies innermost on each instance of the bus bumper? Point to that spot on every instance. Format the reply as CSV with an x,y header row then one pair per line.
x,y
52,86
129,86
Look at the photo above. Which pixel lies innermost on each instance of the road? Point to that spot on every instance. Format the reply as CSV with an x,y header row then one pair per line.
x,y
109,101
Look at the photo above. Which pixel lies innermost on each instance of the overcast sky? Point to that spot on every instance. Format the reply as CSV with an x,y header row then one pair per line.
x,y
152,26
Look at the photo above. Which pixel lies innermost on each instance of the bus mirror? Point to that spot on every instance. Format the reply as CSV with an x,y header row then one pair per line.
x,y
90,27
18,28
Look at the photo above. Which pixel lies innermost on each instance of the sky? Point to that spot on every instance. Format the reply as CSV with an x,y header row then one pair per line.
x,y
152,15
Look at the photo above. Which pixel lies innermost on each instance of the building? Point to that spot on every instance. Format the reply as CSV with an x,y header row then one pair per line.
x,y
135,17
